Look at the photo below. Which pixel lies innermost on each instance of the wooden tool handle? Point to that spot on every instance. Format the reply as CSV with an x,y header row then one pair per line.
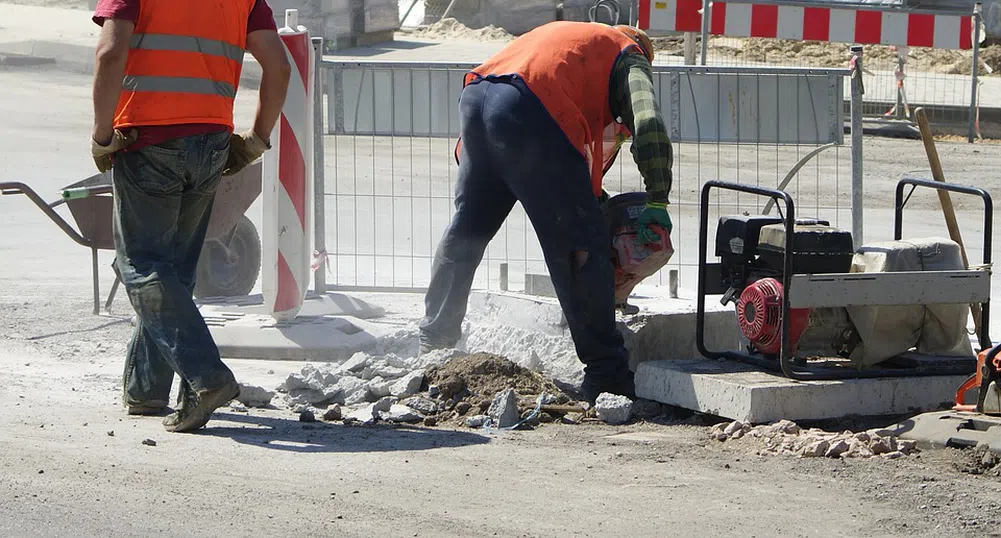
x,y
944,199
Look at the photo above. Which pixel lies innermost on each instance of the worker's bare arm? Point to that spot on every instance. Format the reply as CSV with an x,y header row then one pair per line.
x,y
109,70
267,48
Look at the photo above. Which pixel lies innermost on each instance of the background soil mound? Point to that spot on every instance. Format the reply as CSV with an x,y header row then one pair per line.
x,y
485,374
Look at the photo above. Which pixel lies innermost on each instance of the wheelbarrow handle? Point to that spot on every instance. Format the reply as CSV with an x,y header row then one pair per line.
x,y
11,188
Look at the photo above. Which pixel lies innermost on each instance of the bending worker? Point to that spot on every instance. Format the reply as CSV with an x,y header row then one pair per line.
x,y
541,122
165,80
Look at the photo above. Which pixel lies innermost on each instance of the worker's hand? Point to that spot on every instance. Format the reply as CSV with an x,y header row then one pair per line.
x,y
244,148
653,213
103,153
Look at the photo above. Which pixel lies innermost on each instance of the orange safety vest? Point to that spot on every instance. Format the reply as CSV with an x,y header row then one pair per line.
x,y
184,63
568,65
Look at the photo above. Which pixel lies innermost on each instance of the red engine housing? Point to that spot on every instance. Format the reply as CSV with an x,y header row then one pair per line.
x,y
759,314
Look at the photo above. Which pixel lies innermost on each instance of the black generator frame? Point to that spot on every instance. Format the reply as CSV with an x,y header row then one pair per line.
x,y
785,362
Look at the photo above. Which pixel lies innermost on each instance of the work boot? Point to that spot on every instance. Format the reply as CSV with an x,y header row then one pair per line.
x,y
197,407
147,408
620,382
429,344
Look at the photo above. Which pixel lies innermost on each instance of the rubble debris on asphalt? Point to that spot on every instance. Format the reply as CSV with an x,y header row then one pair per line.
x,y
788,439
254,396
612,408
438,388
149,442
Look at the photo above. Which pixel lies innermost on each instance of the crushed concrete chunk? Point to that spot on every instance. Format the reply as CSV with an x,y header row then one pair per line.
x,y
401,413
346,387
733,427
293,382
837,449
255,396
906,446
881,446
307,416
612,408
380,387
816,449
321,378
356,363
332,413
306,397
408,385
384,404
367,415
504,409
477,421
422,405
359,396
784,426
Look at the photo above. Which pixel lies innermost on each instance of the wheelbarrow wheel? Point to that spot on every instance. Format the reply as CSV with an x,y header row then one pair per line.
x,y
229,265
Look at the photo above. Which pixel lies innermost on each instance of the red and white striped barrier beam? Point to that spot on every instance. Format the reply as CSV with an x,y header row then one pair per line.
x,y
288,184
800,23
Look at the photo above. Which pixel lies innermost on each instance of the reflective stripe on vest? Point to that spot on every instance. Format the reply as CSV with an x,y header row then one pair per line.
x,y
184,65
182,43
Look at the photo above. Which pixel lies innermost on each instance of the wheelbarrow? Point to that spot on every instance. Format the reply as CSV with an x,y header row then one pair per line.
x,y
230,260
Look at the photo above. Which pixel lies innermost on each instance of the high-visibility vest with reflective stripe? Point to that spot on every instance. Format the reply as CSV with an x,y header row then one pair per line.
x,y
568,66
184,63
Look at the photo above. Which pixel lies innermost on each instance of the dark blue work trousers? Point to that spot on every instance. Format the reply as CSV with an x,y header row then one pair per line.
x,y
513,150
163,201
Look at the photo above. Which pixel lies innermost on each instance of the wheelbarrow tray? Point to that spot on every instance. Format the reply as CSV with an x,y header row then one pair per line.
x,y
91,203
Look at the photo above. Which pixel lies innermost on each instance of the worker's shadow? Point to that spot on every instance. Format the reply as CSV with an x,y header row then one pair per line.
x,y
294,436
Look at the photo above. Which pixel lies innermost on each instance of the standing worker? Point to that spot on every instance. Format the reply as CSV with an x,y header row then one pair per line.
x,y
541,122
165,79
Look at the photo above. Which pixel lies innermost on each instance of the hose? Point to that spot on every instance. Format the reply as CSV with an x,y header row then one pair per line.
x,y
611,6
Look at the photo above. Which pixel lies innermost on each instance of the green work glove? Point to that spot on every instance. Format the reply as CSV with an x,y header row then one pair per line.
x,y
653,213
244,148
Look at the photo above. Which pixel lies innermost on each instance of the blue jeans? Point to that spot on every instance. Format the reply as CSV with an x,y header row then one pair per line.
x,y
163,200
513,150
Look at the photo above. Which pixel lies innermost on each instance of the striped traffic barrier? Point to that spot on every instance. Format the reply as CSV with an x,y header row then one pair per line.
x,y
798,22
288,184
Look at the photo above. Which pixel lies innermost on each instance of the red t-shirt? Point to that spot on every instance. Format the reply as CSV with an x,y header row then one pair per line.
x,y
261,18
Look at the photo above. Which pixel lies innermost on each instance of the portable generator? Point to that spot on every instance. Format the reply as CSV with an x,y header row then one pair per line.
x,y
813,306
752,253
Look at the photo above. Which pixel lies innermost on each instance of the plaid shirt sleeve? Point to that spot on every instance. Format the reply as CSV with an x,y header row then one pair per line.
x,y
634,101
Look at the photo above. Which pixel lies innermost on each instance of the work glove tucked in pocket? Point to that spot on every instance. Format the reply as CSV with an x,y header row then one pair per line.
x,y
103,154
244,148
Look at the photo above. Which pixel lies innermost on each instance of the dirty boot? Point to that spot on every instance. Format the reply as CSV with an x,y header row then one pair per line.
x,y
620,383
196,408
147,408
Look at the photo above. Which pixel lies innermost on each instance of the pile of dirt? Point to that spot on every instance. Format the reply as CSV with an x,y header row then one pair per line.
x,y
482,375
451,29
981,461
824,54
786,438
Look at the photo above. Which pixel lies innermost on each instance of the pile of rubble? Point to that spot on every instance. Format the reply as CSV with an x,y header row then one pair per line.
x,y
447,386
788,439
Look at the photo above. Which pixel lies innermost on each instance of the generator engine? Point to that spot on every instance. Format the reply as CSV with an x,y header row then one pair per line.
x,y
752,249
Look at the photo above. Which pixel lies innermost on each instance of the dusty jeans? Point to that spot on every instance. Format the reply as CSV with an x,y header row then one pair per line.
x,y
512,150
163,200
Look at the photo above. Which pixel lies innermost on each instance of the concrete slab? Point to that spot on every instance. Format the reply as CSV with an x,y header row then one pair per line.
x,y
328,304
737,391
951,429
320,338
